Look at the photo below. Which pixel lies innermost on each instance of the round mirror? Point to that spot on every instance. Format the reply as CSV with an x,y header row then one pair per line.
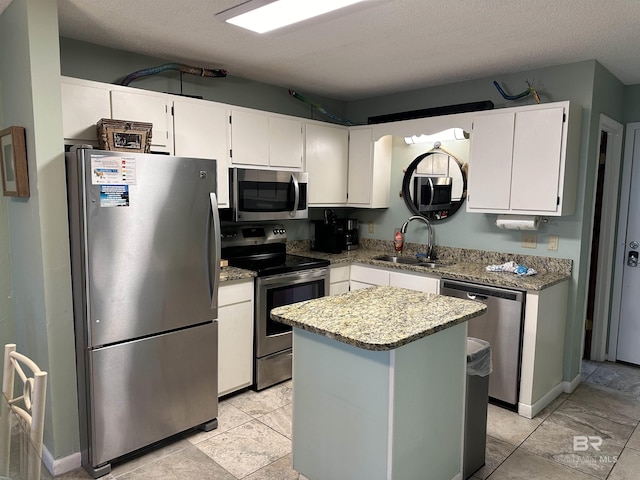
x,y
435,185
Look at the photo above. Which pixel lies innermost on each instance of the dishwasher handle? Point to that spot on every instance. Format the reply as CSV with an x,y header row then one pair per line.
x,y
477,297
478,292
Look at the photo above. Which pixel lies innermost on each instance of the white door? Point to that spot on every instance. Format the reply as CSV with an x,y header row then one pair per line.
x,y
629,326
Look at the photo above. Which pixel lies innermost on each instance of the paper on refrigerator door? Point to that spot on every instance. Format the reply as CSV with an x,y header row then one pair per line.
x,y
109,170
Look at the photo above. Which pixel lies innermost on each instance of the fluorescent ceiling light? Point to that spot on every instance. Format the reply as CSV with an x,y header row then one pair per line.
x,y
450,134
265,15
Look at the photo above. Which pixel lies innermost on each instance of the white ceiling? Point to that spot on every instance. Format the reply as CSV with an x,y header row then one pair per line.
x,y
382,47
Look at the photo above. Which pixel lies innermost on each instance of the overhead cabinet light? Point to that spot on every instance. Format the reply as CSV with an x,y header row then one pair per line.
x,y
265,15
450,134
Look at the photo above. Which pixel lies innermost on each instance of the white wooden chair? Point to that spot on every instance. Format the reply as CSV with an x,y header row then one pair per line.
x,y
29,408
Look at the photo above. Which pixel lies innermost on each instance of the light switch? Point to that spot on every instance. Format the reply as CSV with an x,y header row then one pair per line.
x,y
372,227
552,242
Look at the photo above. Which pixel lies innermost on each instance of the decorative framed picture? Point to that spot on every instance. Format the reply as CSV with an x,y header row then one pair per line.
x,y
13,162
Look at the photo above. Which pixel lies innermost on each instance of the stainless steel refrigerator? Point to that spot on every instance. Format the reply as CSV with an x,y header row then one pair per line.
x,y
145,251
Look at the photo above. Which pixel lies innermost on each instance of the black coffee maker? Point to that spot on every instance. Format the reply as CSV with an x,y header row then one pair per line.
x,y
351,235
328,235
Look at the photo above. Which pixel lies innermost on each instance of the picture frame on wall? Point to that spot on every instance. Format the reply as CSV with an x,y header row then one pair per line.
x,y
13,162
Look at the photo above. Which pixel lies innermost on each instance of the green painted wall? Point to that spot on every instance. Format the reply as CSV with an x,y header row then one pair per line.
x,y
632,104
7,334
40,271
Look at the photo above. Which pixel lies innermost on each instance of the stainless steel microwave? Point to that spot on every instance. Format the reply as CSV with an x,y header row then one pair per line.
x,y
432,193
268,195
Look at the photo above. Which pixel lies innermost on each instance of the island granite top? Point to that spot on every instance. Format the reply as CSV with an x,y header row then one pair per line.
x,y
378,318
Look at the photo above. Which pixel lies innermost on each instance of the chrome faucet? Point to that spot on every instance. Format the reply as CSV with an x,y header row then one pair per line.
x,y
403,230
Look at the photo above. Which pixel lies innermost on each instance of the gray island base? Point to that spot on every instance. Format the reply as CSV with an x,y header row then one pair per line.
x,y
378,384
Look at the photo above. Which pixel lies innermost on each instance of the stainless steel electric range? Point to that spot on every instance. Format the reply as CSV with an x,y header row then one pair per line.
x,y
282,279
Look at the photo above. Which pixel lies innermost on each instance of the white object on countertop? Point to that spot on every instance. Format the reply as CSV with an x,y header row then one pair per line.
x,y
512,267
518,222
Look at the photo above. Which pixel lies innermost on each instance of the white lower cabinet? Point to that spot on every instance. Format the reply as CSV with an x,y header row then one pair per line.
x,y
338,279
364,277
415,281
543,349
235,336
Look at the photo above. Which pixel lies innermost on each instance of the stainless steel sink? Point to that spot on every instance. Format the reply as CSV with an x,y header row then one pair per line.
x,y
409,261
396,259
432,264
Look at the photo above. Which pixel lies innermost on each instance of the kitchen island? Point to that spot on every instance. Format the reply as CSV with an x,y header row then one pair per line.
x,y
379,384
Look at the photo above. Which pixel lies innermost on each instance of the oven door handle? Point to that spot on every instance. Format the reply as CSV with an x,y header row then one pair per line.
x,y
296,195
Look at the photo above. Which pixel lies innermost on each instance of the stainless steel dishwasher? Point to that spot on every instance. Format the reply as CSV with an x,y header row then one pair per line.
x,y
502,326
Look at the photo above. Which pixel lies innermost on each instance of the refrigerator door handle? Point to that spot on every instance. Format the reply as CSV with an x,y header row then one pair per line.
x,y
213,276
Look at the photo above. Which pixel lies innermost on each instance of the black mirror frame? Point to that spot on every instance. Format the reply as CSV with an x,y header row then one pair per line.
x,y
406,184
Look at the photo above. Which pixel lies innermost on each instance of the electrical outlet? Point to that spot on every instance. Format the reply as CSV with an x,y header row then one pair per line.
x,y
529,240
372,227
552,242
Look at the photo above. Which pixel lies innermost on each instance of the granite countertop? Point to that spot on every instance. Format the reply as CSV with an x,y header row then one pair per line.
x,y
467,268
234,273
378,318
459,264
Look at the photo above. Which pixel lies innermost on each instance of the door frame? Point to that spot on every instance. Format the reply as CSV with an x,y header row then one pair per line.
x,y
625,191
607,241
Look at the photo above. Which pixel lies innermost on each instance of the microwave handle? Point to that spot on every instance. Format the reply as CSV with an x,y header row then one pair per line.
x,y
296,195
431,190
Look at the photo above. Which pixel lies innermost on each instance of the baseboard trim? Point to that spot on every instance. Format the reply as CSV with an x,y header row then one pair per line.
x,y
569,387
60,466
530,411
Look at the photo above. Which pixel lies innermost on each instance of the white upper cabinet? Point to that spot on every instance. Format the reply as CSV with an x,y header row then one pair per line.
x,y
201,130
369,169
261,139
249,138
83,105
327,163
524,160
144,106
285,142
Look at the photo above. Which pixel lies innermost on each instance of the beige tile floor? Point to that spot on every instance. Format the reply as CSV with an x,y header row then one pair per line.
x,y
253,439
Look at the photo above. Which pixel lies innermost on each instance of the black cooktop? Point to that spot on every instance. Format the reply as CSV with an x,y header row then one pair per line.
x,y
262,248
275,264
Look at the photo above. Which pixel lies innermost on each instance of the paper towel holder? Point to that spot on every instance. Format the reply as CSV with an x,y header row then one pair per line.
x,y
520,222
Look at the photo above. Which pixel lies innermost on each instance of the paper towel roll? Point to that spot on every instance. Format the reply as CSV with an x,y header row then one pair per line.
x,y
518,222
